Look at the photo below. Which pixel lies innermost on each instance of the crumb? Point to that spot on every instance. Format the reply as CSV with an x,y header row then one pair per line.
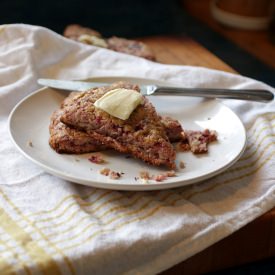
x,y
199,140
96,158
171,173
128,157
164,176
112,174
136,178
115,175
77,160
160,177
196,141
181,164
208,118
30,143
105,171
144,175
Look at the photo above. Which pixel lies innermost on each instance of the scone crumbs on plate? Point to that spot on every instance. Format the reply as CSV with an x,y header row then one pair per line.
x,y
144,176
97,158
30,143
112,174
181,165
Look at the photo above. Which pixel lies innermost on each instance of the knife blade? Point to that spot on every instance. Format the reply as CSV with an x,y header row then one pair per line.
x,y
81,86
241,94
69,85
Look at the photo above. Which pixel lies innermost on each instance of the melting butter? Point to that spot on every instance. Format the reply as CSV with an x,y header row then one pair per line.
x,y
119,102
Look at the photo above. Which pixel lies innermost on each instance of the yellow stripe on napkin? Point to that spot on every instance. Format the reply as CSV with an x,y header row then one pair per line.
x,y
15,256
5,267
37,254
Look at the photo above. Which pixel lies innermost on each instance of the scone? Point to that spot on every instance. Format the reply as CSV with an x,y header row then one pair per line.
x,y
141,135
131,47
92,37
64,139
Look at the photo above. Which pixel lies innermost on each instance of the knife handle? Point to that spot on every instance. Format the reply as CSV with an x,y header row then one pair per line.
x,y
243,94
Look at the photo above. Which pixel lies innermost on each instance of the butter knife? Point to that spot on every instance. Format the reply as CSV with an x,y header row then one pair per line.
x,y
242,94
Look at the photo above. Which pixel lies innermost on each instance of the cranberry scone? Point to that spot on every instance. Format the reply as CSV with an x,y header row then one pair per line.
x,y
118,44
141,135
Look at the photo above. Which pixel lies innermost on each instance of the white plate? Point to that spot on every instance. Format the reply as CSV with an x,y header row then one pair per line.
x,y
29,122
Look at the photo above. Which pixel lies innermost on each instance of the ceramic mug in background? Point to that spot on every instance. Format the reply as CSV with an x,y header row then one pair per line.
x,y
243,14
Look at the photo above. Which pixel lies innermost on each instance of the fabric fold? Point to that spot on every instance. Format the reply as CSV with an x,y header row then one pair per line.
x,y
65,228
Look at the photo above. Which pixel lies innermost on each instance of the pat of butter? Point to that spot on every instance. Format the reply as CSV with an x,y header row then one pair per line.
x,y
119,102
92,40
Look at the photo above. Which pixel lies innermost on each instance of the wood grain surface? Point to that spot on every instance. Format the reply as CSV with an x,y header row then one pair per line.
x,y
182,50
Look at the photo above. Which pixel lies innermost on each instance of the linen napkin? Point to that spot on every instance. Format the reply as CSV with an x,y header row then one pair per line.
x,y
57,227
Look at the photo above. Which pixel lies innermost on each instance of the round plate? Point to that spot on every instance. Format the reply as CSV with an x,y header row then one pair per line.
x,y
29,123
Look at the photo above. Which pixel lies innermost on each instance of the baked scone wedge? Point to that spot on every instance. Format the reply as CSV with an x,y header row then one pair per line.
x,y
141,135
119,44
65,139
131,47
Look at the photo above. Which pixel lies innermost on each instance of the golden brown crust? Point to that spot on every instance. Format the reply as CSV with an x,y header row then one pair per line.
x,y
64,139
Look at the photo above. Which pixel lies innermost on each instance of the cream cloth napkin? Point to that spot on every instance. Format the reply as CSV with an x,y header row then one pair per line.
x,y
53,226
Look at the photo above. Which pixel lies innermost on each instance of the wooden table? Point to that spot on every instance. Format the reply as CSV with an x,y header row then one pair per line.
x,y
255,241
257,43
182,50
